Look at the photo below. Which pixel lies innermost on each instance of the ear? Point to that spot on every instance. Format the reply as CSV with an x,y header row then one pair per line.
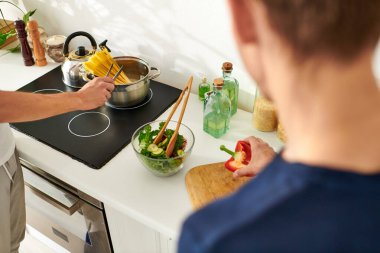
x,y
243,22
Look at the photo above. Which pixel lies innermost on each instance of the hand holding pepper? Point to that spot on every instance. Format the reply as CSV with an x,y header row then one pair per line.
x,y
250,157
261,155
239,158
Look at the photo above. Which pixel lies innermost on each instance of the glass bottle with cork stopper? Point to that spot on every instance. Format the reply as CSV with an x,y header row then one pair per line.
x,y
231,86
203,88
216,111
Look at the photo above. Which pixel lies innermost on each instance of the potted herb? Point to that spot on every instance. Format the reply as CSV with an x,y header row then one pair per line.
x,y
7,30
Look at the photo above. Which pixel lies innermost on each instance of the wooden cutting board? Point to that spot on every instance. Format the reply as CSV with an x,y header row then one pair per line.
x,y
209,182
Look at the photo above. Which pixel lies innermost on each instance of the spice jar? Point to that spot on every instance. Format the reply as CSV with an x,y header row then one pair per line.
x,y
264,114
54,47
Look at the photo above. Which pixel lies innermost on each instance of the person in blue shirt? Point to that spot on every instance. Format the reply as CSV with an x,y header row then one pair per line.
x,y
313,59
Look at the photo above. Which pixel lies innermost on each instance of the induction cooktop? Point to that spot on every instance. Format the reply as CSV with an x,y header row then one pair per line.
x,y
93,137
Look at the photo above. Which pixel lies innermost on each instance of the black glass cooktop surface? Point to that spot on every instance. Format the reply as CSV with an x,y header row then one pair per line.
x,y
93,137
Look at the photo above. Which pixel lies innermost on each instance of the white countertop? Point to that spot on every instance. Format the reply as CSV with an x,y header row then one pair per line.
x,y
123,183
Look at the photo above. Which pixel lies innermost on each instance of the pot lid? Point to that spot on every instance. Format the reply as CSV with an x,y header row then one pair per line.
x,y
81,54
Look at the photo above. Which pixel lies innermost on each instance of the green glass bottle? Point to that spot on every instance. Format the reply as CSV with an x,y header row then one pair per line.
x,y
216,111
231,86
203,88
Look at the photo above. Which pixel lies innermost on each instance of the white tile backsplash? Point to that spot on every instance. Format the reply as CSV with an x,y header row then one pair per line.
x,y
180,37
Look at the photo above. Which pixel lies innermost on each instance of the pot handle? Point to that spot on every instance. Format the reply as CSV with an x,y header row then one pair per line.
x,y
156,73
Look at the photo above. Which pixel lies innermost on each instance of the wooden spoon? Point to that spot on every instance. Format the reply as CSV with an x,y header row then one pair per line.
x,y
170,148
162,131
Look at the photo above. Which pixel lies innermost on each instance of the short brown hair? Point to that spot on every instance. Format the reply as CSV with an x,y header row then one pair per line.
x,y
339,28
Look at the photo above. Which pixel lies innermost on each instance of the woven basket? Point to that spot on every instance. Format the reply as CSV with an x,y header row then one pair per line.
x,y
4,28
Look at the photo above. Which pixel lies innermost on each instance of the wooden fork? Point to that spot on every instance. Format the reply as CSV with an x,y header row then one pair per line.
x,y
170,147
161,133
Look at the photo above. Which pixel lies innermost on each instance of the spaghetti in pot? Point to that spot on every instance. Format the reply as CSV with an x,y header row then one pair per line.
x,y
99,64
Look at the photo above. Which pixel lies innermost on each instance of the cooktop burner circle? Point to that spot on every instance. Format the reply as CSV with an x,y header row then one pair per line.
x,y
48,91
89,124
142,103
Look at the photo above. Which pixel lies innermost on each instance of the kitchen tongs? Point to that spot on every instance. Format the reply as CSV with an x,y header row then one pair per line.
x,y
173,139
117,73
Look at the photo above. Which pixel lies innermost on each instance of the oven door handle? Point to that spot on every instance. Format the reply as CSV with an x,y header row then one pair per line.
x,y
50,193
52,201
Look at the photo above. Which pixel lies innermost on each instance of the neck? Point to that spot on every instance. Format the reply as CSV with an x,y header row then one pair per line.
x,y
331,114
226,73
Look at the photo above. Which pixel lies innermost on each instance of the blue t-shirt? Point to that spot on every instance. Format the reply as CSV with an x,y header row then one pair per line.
x,y
291,207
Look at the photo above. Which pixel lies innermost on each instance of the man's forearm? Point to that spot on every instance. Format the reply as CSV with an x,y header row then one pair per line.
x,y
22,106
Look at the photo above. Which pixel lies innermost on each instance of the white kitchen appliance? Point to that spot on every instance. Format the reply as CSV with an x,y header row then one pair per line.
x,y
67,216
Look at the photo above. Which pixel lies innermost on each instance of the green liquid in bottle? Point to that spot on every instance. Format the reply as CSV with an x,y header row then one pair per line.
x,y
217,111
216,124
202,91
231,89
203,88
231,86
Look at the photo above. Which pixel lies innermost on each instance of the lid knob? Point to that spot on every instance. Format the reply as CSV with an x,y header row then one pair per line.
x,y
81,51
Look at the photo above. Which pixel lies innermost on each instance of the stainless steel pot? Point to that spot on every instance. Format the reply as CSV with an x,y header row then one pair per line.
x,y
140,73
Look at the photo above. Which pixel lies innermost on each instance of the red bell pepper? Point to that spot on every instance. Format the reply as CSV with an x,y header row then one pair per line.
x,y
240,158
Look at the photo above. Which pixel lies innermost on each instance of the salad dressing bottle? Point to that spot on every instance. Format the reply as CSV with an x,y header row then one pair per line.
x,y
203,88
216,111
231,86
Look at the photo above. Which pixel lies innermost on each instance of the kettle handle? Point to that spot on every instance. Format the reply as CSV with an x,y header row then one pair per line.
x,y
72,36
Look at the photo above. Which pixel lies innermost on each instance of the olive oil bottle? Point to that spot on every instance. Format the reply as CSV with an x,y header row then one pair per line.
x,y
217,111
231,86
203,88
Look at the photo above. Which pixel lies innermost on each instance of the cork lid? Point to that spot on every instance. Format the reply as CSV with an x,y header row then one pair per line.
x,y
218,82
227,66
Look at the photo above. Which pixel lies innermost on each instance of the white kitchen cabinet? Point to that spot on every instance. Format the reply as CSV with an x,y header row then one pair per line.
x,y
168,245
131,236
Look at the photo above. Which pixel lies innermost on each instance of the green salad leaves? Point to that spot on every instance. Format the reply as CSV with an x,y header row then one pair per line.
x,y
154,156
147,136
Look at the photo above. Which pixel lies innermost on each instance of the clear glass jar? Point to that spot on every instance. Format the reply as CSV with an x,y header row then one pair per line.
x,y
217,111
231,86
203,88
54,47
264,114
281,132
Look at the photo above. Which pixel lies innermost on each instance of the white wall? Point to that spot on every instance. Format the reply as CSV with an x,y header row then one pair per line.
x,y
181,37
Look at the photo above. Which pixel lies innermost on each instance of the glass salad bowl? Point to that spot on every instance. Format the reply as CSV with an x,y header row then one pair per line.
x,y
153,156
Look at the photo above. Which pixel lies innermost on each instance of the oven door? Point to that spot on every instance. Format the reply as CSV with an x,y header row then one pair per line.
x,y
63,217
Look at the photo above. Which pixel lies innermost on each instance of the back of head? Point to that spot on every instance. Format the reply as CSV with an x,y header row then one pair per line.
x,y
338,28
